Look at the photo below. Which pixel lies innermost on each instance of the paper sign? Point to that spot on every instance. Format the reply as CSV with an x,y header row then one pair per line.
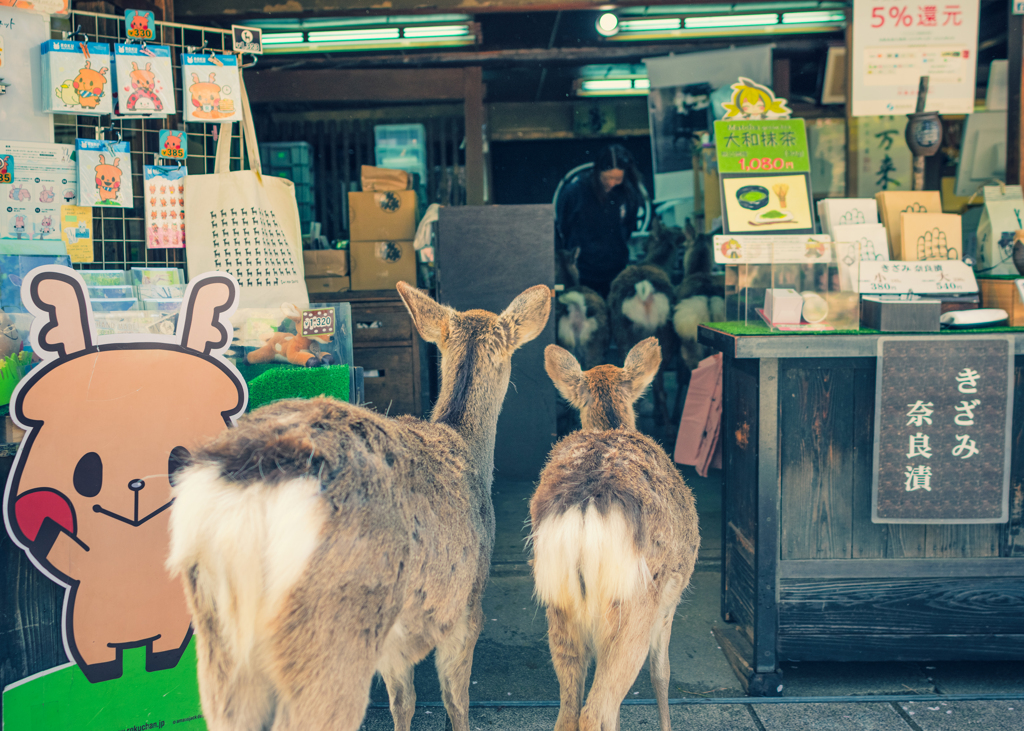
x,y
766,203
44,177
762,146
76,232
759,249
140,24
246,40
916,277
173,144
895,43
884,162
874,246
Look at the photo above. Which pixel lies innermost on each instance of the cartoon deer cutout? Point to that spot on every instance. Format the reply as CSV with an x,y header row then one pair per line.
x,y
89,506
88,86
206,98
321,543
108,180
144,97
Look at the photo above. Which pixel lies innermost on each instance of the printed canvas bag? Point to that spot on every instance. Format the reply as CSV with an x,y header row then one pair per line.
x,y
246,224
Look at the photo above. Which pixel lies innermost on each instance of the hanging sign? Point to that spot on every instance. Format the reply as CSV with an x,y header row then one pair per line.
x,y
895,44
943,414
246,40
173,144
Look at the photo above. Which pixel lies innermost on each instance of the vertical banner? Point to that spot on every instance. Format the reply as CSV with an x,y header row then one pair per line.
x,y
895,43
884,161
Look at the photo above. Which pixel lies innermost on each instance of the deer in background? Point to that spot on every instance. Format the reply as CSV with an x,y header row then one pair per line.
x,y
698,300
615,540
581,313
320,542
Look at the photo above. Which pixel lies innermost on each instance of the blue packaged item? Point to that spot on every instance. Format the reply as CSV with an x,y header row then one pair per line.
x,y
76,78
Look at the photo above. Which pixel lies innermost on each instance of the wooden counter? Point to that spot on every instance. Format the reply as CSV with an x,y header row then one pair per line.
x,y
806,574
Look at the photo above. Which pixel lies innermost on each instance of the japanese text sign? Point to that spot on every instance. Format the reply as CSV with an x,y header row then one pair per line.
x,y
762,146
916,277
943,410
895,43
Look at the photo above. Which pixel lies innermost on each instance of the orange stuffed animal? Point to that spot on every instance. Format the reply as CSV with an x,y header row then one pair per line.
x,y
286,347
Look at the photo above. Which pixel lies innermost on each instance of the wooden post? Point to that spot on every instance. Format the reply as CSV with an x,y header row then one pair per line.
x,y
473,101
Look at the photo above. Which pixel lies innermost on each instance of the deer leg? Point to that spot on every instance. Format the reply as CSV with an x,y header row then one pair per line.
x,y
334,698
401,691
454,659
661,633
233,698
571,660
621,651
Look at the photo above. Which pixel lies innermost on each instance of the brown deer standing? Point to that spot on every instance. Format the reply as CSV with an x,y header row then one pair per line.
x,y
321,542
614,540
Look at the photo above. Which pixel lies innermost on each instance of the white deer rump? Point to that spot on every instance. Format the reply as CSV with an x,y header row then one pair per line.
x,y
584,561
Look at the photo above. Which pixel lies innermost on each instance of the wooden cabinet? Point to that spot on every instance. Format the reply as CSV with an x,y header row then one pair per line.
x,y
386,345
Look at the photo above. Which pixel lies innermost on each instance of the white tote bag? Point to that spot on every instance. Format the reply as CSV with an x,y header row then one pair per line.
x,y
246,224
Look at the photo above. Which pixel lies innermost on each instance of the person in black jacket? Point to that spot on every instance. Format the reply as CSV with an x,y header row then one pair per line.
x,y
597,212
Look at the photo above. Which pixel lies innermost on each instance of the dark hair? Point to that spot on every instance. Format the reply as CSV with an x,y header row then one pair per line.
x,y
617,157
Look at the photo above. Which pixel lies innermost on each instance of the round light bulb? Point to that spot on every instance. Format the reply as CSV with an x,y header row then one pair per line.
x,y
608,24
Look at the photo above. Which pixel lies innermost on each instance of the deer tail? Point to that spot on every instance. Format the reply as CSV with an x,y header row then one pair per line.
x,y
585,560
240,549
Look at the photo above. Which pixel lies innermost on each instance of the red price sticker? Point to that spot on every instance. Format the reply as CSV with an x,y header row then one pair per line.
x,y
317,322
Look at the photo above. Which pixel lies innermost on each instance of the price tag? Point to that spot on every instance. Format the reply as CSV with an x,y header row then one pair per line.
x,y
317,322
173,144
6,169
140,24
246,40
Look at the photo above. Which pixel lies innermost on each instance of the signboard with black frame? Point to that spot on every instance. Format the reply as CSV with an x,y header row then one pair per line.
x,y
943,412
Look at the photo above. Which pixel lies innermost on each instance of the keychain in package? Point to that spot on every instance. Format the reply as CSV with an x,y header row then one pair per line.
x,y
164,192
211,88
76,77
144,82
104,173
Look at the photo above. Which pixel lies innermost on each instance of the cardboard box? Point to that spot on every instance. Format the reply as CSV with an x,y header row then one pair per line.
x,y
327,285
931,237
382,264
891,203
325,263
896,315
1004,295
382,216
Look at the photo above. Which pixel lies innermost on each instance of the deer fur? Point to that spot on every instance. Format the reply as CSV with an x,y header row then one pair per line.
x,y
698,300
581,313
615,540
321,543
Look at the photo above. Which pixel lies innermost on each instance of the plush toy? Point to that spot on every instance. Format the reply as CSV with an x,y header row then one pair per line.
x,y
288,347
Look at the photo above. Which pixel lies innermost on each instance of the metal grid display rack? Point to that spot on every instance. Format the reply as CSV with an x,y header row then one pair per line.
x,y
119,233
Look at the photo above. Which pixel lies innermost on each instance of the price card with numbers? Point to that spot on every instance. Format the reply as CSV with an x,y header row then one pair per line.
x,y
317,322
173,144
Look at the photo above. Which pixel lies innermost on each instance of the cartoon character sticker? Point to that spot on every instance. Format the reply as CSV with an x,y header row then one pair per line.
x,y
751,100
108,180
212,89
86,89
104,173
75,77
90,506
145,84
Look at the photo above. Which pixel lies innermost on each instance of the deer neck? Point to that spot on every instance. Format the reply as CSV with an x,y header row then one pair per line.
x,y
470,403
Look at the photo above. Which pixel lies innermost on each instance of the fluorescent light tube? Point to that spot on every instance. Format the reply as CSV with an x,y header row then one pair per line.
x,y
607,84
435,31
650,24
366,34
273,39
819,16
732,21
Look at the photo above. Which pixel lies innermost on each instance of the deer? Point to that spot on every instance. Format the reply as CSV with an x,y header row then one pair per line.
x,y
320,543
615,540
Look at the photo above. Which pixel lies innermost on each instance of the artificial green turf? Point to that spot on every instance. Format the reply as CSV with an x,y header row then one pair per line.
x,y
758,328
294,382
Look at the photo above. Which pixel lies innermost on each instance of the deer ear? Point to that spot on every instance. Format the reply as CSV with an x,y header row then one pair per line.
x,y
102,161
431,319
135,66
117,162
528,314
565,372
209,301
63,324
195,78
641,367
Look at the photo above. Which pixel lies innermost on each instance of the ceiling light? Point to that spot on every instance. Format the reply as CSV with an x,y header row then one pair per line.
x,y
277,39
650,24
732,21
622,86
363,34
435,31
608,24
819,16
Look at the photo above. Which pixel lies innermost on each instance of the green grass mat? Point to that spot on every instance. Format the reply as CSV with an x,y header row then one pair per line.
x,y
742,328
292,382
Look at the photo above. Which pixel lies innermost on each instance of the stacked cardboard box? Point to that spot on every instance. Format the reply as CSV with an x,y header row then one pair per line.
x,y
382,225
326,271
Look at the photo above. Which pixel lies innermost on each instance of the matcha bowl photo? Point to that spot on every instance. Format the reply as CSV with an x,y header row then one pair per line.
x,y
752,197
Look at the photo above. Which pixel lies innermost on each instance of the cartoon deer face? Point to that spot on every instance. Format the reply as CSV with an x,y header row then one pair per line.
x,y
142,79
108,179
173,141
89,86
140,22
89,506
205,96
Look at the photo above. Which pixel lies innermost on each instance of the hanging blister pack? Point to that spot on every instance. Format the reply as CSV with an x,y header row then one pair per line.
x,y
104,173
211,88
144,83
164,193
76,77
